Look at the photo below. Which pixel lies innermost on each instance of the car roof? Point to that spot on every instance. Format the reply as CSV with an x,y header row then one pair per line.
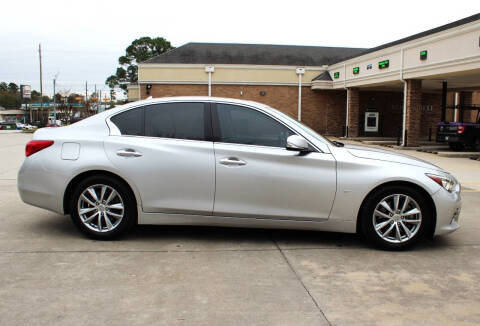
x,y
198,98
181,99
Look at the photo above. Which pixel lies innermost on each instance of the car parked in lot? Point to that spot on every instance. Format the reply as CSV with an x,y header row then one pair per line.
x,y
460,135
8,126
226,162
29,127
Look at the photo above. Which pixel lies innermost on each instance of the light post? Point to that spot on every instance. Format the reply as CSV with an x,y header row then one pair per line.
x,y
54,102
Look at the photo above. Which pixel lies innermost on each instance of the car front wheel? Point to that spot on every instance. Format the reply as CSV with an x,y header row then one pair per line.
x,y
395,217
103,207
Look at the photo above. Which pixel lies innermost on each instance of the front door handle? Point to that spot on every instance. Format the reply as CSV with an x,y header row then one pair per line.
x,y
128,152
232,161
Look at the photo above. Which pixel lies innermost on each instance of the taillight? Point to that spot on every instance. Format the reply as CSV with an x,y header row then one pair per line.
x,y
460,129
34,146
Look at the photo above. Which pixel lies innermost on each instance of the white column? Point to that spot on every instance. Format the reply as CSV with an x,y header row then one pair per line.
x,y
209,70
300,72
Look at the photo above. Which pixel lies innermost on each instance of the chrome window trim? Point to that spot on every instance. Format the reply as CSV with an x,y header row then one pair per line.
x,y
269,147
114,131
295,132
165,138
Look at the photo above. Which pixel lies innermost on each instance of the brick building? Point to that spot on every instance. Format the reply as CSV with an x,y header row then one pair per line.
x,y
401,88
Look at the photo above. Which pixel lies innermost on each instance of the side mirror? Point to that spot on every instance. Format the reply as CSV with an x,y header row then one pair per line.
x,y
297,143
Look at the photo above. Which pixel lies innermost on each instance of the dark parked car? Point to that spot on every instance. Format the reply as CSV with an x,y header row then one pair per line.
x,y
460,135
8,126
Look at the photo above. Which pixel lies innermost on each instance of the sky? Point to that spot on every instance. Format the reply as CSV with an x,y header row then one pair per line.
x,y
82,40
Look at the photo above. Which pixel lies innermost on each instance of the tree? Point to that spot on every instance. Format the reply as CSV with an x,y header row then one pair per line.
x,y
10,96
140,50
35,95
58,98
13,88
75,98
9,100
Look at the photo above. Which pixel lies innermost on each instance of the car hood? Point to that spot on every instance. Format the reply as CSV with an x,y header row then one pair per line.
x,y
374,153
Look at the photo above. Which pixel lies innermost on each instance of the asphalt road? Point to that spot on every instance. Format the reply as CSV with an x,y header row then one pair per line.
x,y
51,275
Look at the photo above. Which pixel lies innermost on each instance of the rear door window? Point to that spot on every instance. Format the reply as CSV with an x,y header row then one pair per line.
x,y
175,120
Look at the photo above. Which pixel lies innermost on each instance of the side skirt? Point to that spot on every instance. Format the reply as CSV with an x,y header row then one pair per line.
x,y
245,222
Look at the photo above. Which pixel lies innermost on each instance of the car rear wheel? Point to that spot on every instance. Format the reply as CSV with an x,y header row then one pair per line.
x,y
395,217
476,144
103,207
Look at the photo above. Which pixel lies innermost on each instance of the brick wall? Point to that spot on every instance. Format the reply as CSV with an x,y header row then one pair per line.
x,y
475,101
323,111
174,90
353,112
469,99
390,108
431,114
414,113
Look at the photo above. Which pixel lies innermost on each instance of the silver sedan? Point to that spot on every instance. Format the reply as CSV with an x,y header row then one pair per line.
x,y
226,162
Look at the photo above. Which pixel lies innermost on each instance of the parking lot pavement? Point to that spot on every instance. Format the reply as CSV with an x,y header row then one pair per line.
x,y
50,274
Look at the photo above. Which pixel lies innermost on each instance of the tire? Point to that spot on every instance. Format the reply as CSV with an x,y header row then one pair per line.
x,y
387,237
457,147
476,144
114,221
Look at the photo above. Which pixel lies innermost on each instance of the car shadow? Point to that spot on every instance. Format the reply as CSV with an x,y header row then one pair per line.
x,y
61,227
281,237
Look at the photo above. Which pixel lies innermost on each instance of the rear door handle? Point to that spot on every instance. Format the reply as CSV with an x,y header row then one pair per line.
x,y
232,161
128,152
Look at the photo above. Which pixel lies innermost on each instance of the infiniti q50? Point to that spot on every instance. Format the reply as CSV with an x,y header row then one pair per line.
x,y
226,162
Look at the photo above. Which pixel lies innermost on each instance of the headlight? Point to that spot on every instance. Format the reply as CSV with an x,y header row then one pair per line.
x,y
448,182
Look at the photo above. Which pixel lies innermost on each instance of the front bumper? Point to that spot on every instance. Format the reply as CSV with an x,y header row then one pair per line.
x,y
448,205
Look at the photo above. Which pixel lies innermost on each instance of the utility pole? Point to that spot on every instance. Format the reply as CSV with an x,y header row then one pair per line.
x,y
96,95
41,82
54,102
54,105
86,98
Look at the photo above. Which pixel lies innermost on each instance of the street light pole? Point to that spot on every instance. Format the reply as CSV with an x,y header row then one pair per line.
x,y
54,102
41,81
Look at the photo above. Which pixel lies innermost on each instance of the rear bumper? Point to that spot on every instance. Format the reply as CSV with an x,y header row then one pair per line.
x,y
38,186
450,138
448,207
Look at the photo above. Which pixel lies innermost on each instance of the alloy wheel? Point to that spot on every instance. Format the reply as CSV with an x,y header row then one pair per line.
x,y
100,208
397,218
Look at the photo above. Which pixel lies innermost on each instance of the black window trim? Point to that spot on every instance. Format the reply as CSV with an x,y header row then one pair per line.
x,y
208,132
116,130
216,126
